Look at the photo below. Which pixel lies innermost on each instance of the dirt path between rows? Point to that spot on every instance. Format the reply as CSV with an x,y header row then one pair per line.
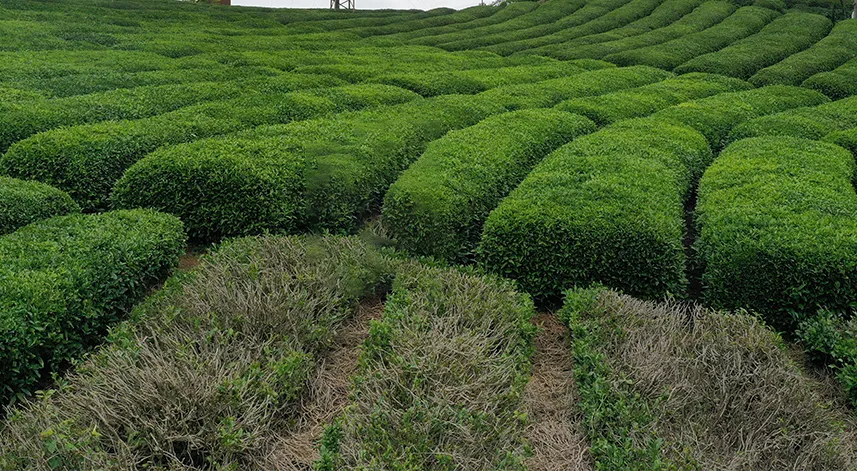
x,y
327,395
550,400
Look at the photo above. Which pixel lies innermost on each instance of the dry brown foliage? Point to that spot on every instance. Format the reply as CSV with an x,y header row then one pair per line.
x,y
725,390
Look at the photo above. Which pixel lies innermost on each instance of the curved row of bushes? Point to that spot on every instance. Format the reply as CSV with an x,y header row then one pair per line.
x,y
669,55
435,36
776,220
613,18
834,50
95,82
846,139
666,13
546,15
23,202
838,83
325,173
428,36
207,372
716,116
787,35
478,80
643,101
21,120
439,203
87,160
705,16
311,175
440,378
609,207
65,280
809,123
550,92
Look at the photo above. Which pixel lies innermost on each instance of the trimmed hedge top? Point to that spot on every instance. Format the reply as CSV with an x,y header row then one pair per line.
x,y
605,208
23,202
715,116
788,34
438,204
778,228
65,280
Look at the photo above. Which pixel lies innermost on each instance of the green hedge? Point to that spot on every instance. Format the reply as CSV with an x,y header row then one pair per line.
x,y
787,35
428,36
838,83
666,13
776,220
715,116
809,122
440,379
325,174
21,120
438,205
65,280
608,208
252,360
550,92
837,48
645,100
832,338
594,18
318,174
23,202
671,54
546,15
479,80
705,16
87,160
846,139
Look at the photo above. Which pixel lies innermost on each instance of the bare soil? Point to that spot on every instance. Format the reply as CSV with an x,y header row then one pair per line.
x,y
550,400
328,393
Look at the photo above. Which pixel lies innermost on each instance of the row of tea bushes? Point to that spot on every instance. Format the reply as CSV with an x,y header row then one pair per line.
x,y
643,101
609,207
810,122
705,16
776,219
326,174
594,21
429,36
23,202
439,203
440,378
837,83
435,36
437,207
787,35
666,13
87,160
669,55
478,80
309,175
547,15
838,47
716,116
207,372
65,280
21,120
771,414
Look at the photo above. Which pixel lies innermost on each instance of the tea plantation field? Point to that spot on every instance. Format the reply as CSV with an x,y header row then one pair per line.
x,y
530,236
